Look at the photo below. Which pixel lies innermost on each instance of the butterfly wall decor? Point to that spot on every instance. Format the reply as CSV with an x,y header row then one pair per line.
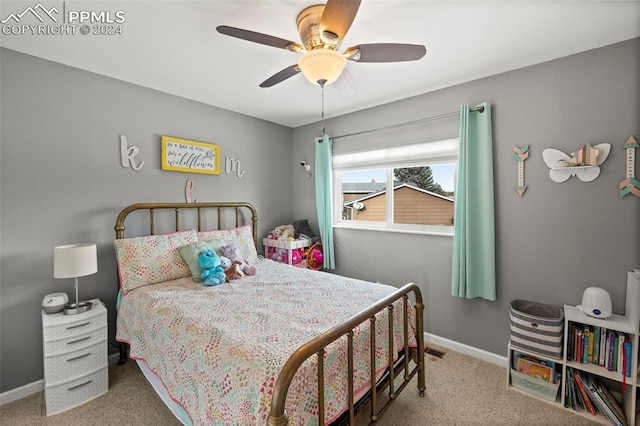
x,y
584,163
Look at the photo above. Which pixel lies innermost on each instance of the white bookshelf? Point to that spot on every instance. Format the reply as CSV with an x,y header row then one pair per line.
x,y
629,324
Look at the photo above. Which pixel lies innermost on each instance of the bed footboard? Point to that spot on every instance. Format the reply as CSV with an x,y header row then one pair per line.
x,y
277,414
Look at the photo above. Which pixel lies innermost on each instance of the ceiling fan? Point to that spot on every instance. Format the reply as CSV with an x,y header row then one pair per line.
x,y
322,28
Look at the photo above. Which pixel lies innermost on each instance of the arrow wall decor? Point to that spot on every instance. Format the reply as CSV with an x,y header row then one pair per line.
x,y
630,185
521,154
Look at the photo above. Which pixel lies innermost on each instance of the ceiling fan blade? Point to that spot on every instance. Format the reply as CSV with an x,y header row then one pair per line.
x,y
385,52
281,76
345,84
260,38
337,17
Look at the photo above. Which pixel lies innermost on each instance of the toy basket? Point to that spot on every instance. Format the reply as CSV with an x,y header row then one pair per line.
x,y
272,246
537,327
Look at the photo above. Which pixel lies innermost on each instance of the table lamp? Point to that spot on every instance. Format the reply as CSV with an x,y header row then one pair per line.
x,y
73,261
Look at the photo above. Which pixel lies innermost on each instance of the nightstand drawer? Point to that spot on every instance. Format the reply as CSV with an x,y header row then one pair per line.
x,y
69,343
63,367
76,392
61,331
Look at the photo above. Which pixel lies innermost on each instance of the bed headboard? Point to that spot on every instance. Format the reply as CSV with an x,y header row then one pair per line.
x,y
207,215
174,217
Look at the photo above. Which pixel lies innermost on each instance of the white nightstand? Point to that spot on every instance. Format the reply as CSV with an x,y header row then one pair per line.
x,y
75,357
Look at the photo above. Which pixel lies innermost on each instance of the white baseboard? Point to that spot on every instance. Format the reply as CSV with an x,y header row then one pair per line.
x,y
37,386
466,350
21,392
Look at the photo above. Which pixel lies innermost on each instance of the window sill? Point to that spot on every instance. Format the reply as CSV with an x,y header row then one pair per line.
x,y
369,227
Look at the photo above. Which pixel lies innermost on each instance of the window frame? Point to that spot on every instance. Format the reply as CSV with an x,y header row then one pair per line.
x,y
396,161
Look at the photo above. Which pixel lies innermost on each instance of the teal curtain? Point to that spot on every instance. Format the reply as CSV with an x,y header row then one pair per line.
x,y
324,197
473,273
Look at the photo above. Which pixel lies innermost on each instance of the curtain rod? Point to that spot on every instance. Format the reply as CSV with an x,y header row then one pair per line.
x,y
420,120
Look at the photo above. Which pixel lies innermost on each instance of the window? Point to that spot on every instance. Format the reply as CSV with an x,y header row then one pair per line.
x,y
408,188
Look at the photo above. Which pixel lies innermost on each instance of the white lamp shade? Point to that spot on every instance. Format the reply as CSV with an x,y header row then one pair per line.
x,y
75,260
322,64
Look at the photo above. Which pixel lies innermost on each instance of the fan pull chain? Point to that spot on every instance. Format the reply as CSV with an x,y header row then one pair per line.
x,y
322,114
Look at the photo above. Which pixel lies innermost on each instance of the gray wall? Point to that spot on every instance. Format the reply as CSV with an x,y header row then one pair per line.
x,y
551,243
62,182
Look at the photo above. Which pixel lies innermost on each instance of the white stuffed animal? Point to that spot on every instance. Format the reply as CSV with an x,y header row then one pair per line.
x,y
230,251
283,232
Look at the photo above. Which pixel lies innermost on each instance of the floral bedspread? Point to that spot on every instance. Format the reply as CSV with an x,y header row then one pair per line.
x,y
218,350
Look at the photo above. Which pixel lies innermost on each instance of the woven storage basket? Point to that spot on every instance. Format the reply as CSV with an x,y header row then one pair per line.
x,y
537,327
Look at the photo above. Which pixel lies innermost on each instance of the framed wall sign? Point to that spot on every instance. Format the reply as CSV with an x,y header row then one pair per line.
x,y
182,155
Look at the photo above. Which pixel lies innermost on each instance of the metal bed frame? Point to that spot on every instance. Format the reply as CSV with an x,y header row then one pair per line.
x,y
400,370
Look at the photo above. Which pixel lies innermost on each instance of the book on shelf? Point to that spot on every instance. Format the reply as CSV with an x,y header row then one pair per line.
x,y
592,344
600,346
572,399
620,352
577,398
606,410
567,392
596,396
578,350
572,394
535,367
628,358
611,402
603,346
609,351
596,345
610,407
587,343
616,351
580,398
569,342
586,397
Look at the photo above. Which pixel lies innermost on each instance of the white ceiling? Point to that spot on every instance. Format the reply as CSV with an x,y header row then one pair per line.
x,y
173,46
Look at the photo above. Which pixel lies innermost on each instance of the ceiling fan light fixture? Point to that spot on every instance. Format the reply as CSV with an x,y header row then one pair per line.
x,y
322,64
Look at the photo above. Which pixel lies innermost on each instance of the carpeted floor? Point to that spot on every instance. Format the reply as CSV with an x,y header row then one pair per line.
x,y
461,390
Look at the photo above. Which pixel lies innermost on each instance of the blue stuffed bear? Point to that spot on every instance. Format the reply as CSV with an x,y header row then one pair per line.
x,y
212,272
